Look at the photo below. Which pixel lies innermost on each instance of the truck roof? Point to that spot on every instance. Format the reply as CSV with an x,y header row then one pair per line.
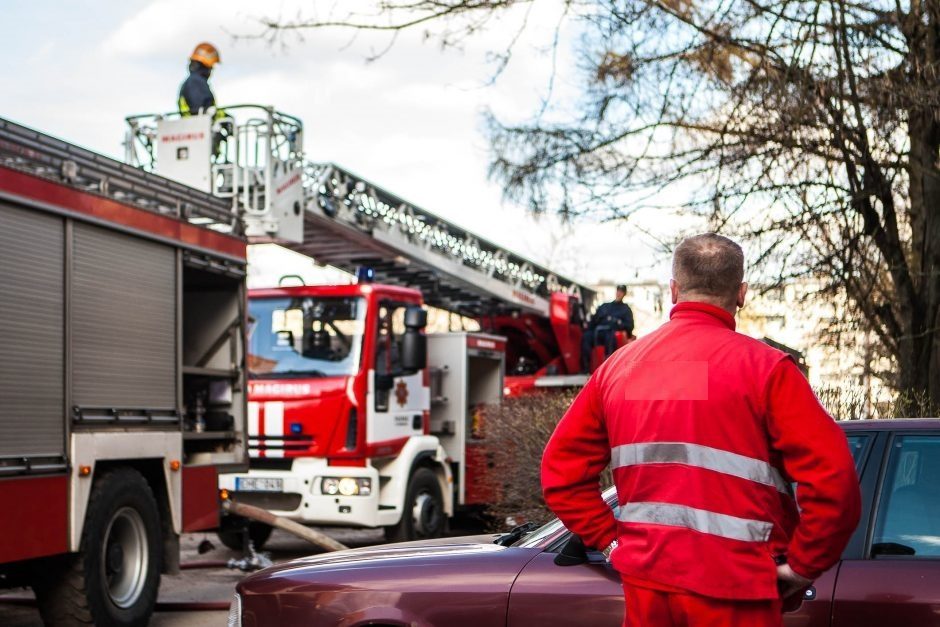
x,y
54,175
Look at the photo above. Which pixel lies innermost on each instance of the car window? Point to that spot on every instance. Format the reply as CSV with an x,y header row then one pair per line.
x,y
908,517
857,444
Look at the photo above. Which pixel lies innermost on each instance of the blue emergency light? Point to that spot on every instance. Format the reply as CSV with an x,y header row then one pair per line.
x,y
365,274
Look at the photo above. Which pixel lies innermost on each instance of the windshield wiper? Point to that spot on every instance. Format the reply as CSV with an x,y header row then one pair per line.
x,y
517,532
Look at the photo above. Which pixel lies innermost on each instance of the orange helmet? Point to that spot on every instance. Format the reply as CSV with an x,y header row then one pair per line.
x,y
206,53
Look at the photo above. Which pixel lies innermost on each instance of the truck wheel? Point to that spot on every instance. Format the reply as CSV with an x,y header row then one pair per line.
x,y
114,579
424,510
230,532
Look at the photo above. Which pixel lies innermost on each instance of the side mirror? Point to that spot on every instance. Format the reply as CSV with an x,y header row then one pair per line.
x,y
414,350
573,553
416,318
414,344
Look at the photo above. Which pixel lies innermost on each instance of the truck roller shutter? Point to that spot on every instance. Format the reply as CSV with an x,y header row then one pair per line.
x,y
123,321
32,421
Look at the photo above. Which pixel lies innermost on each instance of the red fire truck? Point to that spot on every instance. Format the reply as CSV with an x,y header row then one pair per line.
x,y
122,379
352,420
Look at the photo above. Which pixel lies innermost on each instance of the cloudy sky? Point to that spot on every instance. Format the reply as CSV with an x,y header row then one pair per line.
x,y
409,121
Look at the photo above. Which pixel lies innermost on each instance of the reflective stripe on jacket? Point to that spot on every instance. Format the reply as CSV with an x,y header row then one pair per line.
x,y
705,429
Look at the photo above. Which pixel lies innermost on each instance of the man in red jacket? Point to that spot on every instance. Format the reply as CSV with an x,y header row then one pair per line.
x,y
705,430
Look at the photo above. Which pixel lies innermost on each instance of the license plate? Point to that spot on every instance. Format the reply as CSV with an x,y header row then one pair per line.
x,y
259,484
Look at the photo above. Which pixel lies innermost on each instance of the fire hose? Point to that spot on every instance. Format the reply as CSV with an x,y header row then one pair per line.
x,y
261,515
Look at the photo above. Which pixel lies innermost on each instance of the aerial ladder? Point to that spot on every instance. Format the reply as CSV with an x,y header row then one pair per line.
x,y
336,217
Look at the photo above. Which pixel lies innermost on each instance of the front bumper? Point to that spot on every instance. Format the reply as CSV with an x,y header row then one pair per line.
x,y
301,499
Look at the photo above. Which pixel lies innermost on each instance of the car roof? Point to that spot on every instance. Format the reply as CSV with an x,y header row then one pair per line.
x,y
890,424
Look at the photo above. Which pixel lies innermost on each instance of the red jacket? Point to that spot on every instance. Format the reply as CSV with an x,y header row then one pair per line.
x,y
705,430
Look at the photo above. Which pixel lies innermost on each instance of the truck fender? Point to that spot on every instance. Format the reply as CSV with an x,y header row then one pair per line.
x,y
395,472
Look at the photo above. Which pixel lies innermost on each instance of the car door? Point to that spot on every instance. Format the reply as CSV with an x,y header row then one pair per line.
x,y
816,609
896,580
548,595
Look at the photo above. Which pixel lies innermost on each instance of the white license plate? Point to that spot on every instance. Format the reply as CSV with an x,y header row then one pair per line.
x,y
259,484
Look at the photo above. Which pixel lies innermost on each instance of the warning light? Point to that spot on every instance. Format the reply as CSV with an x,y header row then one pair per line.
x,y
84,471
365,274
223,494
175,465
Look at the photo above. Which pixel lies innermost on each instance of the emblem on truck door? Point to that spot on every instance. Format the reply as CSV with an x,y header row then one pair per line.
x,y
401,392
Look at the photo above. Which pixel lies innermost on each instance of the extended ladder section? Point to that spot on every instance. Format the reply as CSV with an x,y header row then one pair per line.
x,y
40,155
252,156
350,222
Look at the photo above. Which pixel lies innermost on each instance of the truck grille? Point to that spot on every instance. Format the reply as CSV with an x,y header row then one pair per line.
x,y
291,445
280,501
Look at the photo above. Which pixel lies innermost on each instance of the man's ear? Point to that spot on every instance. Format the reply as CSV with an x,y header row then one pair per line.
x,y
674,291
742,292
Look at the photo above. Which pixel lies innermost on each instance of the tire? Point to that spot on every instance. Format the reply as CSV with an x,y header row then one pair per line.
x,y
114,579
423,516
230,533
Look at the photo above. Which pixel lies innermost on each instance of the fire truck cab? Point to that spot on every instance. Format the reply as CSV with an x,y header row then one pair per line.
x,y
341,421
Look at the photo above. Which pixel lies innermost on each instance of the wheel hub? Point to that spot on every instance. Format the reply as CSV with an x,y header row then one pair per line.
x,y
426,514
115,557
125,557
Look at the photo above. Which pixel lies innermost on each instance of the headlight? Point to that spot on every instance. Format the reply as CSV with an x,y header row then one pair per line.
x,y
346,486
235,612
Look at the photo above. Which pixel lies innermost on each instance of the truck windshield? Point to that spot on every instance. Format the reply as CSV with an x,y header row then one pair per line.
x,y
305,336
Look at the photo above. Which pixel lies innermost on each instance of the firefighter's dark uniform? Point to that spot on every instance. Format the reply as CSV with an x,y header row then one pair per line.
x,y
195,94
606,321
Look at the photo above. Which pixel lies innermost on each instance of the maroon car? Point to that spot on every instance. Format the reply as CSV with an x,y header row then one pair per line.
x,y
889,574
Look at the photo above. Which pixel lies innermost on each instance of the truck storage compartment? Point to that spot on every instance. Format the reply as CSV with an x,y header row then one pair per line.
x,y
467,371
485,369
123,318
32,386
213,363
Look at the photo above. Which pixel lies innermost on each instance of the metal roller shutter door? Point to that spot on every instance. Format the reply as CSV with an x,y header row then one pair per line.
x,y
32,413
123,321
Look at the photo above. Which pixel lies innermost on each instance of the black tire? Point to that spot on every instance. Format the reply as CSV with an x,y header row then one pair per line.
x,y
423,516
114,579
231,535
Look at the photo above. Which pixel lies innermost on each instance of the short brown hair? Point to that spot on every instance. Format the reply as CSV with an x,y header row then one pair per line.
x,y
708,265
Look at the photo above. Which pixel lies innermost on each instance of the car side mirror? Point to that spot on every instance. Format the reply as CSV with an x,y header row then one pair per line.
x,y
573,553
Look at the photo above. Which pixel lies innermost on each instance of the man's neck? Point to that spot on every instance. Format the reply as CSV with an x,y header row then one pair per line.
x,y
708,301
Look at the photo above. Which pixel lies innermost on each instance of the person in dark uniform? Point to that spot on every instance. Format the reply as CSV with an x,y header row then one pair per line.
x,y
601,330
195,94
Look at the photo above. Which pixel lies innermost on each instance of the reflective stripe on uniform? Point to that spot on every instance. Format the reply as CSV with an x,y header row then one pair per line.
x,y
184,107
699,456
701,520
